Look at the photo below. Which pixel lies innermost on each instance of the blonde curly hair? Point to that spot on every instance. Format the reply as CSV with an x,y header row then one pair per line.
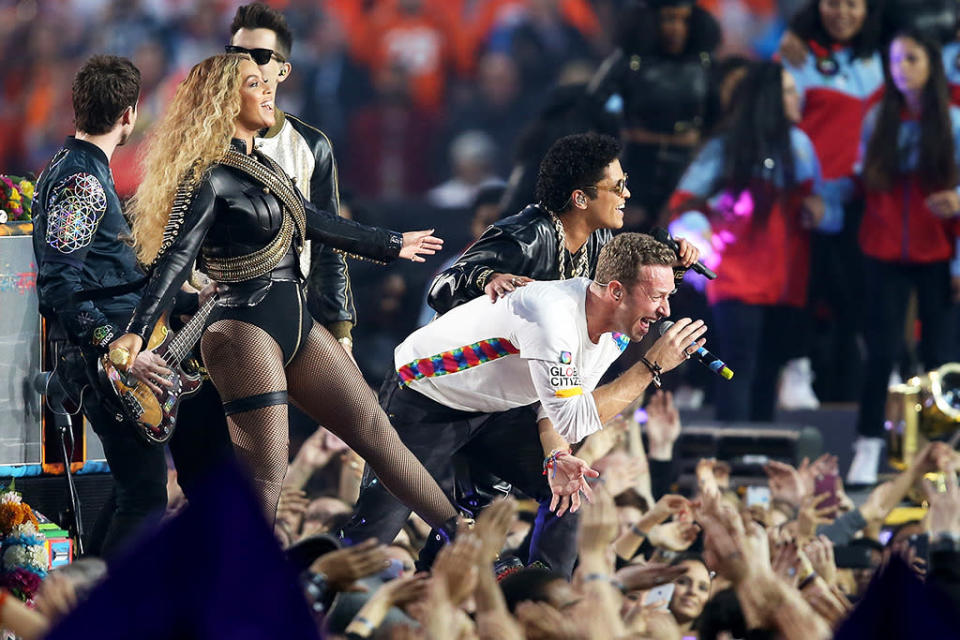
x,y
194,133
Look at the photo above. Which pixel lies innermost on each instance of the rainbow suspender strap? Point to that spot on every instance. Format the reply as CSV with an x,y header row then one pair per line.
x,y
456,360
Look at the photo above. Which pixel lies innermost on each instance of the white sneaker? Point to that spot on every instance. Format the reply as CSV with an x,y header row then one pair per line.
x,y
866,461
796,386
895,378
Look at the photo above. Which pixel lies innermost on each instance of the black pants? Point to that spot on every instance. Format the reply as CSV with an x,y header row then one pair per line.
x,y
835,305
756,341
201,442
139,469
506,444
888,287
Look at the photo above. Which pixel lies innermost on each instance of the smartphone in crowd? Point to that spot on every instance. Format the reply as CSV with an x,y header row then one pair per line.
x,y
758,497
662,595
827,484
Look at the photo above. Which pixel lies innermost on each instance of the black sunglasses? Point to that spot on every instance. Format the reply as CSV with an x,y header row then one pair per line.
x,y
260,56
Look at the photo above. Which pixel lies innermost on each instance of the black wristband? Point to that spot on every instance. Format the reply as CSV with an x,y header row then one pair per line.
x,y
102,336
806,581
655,369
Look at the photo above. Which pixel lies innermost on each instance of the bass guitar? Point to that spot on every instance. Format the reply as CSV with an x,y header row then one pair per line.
x,y
155,418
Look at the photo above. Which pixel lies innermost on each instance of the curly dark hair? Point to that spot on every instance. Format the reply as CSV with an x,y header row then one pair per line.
x,y
102,90
638,31
574,162
257,15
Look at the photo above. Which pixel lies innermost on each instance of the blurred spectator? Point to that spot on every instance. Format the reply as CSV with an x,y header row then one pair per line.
x,y
408,35
382,329
334,85
911,146
541,42
757,182
661,73
839,74
472,161
390,140
158,88
499,106
486,211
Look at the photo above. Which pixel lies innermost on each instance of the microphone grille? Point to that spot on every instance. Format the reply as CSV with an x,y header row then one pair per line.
x,y
661,235
665,325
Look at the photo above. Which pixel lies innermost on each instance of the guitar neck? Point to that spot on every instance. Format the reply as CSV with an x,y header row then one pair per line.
x,y
187,336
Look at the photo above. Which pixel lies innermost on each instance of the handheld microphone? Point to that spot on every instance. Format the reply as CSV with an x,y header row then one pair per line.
x,y
661,235
708,360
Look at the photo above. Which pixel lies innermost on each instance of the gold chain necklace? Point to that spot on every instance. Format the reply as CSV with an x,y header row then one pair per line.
x,y
581,267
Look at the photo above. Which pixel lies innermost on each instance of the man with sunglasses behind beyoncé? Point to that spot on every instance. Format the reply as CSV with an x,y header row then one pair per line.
x,y
305,153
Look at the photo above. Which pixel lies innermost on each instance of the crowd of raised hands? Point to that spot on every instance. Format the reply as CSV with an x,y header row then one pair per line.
x,y
651,564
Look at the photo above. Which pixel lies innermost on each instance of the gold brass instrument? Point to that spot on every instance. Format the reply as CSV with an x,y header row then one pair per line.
x,y
924,408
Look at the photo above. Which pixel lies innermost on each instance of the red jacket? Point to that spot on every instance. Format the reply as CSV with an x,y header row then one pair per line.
x,y
897,225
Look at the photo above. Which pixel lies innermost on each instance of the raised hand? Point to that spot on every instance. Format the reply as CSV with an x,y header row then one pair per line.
x,y
455,569
663,425
540,621
567,478
674,536
492,526
620,472
344,566
944,512
290,509
668,505
819,551
400,592
420,243
641,577
786,483
599,523
811,515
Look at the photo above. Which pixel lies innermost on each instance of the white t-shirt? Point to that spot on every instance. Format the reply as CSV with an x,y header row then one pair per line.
x,y
530,346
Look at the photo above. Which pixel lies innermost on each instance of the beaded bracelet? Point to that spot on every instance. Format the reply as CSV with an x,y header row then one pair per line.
x,y
550,462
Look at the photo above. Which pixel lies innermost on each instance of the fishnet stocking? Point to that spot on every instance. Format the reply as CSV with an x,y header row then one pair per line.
x,y
326,383
243,360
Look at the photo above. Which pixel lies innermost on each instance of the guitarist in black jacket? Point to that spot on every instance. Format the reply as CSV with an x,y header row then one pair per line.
x,y
88,281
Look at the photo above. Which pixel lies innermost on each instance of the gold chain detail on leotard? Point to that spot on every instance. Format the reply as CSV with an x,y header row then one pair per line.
x,y
263,260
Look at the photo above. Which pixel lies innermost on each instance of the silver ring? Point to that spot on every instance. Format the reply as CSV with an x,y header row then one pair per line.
x,y
515,281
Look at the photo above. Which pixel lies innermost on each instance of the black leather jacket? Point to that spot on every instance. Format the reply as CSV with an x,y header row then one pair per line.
x,y
233,215
524,244
305,153
78,241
